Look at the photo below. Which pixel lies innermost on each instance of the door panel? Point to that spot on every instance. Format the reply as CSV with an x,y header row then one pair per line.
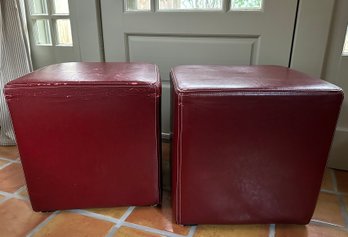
x,y
198,50
202,37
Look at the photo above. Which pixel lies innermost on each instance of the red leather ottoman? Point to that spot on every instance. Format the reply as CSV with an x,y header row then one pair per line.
x,y
250,143
88,134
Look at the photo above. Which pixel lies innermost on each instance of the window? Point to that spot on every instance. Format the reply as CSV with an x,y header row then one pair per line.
x,y
50,22
246,5
235,5
61,7
190,5
345,47
138,5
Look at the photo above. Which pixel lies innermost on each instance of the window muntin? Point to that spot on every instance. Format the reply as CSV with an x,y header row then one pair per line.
x,y
51,24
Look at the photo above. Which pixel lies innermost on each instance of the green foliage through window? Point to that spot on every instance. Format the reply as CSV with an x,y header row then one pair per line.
x,y
246,4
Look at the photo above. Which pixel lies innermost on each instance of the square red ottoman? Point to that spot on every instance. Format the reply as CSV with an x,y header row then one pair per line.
x,y
250,143
88,134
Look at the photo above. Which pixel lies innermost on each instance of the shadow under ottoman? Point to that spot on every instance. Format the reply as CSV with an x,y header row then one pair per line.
x,y
250,143
88,134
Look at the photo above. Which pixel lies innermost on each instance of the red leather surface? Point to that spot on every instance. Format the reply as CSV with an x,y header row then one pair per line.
x,y
90,73
88,134
250,143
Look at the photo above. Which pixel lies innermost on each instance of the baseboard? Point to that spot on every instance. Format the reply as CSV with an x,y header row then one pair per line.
x,y
338,157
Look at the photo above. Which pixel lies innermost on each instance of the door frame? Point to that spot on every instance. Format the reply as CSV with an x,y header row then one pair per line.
x,y
311,36
335,71
86,20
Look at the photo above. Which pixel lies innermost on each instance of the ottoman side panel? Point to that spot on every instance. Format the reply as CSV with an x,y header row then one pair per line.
x,y
251,158
88,146
176,155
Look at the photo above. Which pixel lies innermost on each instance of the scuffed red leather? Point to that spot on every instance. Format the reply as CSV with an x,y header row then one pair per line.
x,y
250,143
88,134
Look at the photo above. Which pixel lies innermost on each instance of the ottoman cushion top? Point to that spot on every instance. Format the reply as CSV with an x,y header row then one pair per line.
x,y
77,73
202,78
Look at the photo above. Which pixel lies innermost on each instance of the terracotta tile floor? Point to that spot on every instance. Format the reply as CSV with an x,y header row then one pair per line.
x,y
17,218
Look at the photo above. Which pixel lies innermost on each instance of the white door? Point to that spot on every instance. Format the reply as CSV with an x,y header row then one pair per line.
x,y
175,32
336,71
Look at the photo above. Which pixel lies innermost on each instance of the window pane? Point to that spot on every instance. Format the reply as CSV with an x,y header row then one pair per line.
x,y
42,33
238,5
61,7
190,4
345,47
38,7
138,5
64,37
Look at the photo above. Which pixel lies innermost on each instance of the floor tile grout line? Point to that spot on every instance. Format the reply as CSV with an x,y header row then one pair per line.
x,y
94,215
6,193
113,229
272,230
124,216
192,231
10,160
5,165
42,224
333,192
327,224
20,190
127,213
4,199
21,197
127,224
97,216
151,230
328,191
12,195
